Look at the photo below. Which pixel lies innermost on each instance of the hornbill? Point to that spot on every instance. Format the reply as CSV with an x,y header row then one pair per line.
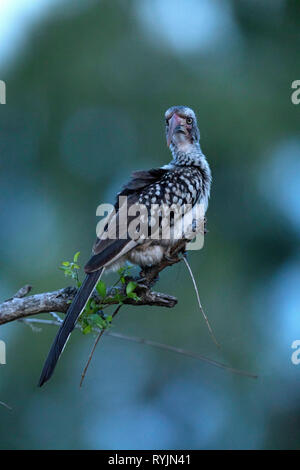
x,y
184,182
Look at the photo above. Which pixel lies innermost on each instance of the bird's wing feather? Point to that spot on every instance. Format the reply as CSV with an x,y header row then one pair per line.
x,y
141,180
107,250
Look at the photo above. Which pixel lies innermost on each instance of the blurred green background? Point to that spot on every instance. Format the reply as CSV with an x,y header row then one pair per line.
x,y
87,86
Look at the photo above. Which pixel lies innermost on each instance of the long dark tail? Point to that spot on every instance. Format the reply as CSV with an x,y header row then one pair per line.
x,y
68,324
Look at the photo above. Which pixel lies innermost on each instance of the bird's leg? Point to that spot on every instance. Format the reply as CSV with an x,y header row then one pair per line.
x,y
169,256
148,276
141,278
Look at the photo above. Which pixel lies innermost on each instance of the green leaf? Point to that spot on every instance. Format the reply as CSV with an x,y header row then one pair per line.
x,y
133,295
130,287
76,256
101,288
65,263
87,329
118,298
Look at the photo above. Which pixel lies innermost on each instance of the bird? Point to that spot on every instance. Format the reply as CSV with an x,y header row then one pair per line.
x,y
184,182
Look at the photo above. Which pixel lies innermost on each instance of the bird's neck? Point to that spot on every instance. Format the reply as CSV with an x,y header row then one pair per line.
x,y
191,155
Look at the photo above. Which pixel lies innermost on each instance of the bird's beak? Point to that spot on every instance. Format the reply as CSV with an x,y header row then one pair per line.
x,y
174,122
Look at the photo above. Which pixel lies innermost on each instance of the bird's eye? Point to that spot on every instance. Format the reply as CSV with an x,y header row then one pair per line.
x,y
167,121
189,120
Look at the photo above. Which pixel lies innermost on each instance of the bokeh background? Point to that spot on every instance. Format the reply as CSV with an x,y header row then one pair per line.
x,y
87,86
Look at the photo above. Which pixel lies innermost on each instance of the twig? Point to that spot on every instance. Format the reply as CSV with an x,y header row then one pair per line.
x,y
154,344
55,316
5,405
90,357
181,351
95,345
42,321
21,292
33,328
199,302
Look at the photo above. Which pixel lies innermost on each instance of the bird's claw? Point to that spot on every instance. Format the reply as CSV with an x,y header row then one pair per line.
x,y
172,259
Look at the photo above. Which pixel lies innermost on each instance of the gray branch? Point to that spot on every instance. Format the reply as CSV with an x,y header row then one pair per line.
x,y
22,306
154,344
59,301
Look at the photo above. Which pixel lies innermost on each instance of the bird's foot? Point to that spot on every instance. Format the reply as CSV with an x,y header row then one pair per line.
x,y
171,258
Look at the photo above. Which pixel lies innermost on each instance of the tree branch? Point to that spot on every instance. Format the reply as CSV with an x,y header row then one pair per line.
x,y
20,306
59,301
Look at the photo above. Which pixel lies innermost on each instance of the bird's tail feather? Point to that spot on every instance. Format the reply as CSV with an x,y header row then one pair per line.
x,y
68,324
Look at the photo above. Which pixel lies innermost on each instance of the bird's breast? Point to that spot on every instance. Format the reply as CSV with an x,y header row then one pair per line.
x,y
147,254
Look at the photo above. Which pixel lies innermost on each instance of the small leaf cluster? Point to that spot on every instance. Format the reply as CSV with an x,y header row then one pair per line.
x,y
93,316
71,268
124,273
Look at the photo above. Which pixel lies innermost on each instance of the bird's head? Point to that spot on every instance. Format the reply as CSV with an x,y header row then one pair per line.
x,y
181,128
